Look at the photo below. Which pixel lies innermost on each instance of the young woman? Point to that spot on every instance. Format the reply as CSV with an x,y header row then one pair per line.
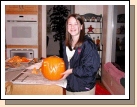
x,y
81,58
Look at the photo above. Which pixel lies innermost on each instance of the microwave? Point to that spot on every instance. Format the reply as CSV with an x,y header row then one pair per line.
x,y
28,53
21,29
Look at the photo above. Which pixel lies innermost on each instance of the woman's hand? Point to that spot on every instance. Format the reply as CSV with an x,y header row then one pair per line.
x,y
66,73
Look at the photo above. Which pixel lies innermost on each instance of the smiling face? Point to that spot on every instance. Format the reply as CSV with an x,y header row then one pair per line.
x,y
74,26
75,31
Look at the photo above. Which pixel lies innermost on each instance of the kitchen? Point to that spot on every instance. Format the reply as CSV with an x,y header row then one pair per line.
x,y
22,31
38,47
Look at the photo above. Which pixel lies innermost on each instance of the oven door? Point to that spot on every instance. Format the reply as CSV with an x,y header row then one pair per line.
x,y
21,33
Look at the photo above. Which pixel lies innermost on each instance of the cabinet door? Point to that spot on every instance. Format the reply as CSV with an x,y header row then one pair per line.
x,y
30,8
21,9
12,8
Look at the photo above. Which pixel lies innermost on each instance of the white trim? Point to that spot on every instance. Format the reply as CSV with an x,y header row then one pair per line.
x,y
44,31
109,34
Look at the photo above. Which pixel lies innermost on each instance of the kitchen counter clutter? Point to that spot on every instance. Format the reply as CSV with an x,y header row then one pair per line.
x,y
25,82
18,63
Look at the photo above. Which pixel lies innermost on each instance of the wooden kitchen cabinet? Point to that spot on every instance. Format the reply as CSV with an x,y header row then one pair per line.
x,y
12,8
30,8
21,9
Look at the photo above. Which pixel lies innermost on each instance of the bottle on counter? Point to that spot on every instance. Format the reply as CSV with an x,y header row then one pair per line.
x,y
98,43
93,39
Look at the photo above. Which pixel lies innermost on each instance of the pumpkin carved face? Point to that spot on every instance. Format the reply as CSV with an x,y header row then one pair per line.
x,y
52,67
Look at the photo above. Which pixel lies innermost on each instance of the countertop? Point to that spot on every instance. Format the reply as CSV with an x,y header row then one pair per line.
x,y
37,82
9,75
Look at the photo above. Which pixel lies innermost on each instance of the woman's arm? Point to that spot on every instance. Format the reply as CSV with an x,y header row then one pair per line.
x,y
90,62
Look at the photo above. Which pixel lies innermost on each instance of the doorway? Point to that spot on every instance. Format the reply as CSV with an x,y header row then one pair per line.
x,y
53,46
120,36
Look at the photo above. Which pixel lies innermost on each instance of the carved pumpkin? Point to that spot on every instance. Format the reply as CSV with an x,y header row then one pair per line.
x,y
52,67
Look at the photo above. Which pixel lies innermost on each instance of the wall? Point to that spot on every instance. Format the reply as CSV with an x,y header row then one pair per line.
x,y
121,9
82,9
107,36
108,32
104,31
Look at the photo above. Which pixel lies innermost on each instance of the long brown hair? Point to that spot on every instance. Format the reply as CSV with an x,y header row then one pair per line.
x,y
68,38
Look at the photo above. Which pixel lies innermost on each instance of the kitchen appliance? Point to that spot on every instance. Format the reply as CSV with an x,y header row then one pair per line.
x,y
21,29
28,53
